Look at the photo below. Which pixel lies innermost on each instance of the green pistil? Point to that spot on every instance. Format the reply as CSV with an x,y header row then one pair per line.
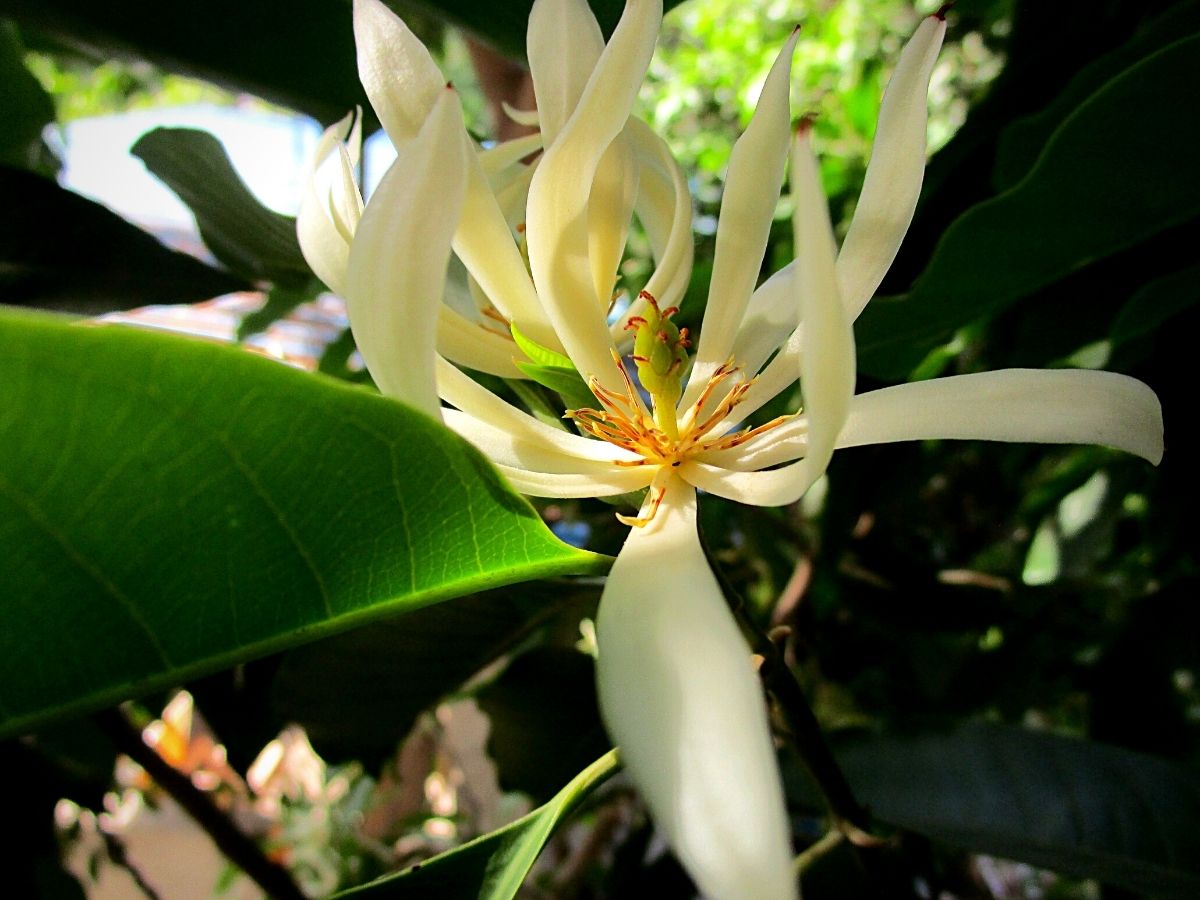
x,y
660,351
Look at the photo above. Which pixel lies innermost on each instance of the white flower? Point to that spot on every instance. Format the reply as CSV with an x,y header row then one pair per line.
x,y
677,690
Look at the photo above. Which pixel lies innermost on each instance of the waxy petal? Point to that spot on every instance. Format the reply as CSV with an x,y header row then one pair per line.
x,y
331,206
397,268
609,483
680,698
558,196
1057,406
400,77
503,447
560,73
466,343
471,397
610,211
751,193
826,354
893,180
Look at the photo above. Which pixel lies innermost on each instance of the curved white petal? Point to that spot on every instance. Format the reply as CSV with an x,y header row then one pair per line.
x,y
550,484
893,180
486,247
752,188
397,268
459,390
558,196
825,352
1059,406
505,448
400,77
771,316
680,698
469,344
500,157
332,205
781,444
609,214
563,44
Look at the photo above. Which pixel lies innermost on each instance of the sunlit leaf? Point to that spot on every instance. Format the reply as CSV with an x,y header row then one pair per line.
x,y
170,507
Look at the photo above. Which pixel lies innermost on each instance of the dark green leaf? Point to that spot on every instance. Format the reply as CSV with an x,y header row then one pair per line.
x,y
281,301
357,694
545,720
492,867
1155,303
1022,141
567,383
170,507
60,250
253,241
26,107
1076,807
1109,178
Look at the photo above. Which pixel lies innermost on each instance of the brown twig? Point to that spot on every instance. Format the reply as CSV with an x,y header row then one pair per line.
x,y
237,847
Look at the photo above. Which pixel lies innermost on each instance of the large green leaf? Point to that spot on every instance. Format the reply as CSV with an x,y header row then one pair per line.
x,y
1115,173
1069,805
170,507
253,241
61,250
492,867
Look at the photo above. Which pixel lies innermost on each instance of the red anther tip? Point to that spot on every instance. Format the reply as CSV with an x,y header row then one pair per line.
x,y
645,295
942,10
796,28
805,124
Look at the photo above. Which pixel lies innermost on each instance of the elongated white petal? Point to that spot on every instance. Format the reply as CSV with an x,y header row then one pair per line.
x,y
468,344
1057,406
826,354
771,316
504,447
550,484
564,43
558,197
893,180
469,396
400,77
486,247
752,188
680,698
397,268
781,444
331,206
610,212
665,187
498,158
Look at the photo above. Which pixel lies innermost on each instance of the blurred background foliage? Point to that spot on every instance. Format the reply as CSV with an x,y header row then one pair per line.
x,y
1001,641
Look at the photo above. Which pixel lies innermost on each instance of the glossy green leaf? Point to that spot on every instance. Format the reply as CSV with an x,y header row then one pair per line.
x,y
492,867
253,241
170,507
1111,176
1076,807
61,250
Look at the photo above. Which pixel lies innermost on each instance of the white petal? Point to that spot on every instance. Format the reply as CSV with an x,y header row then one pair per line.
x,y
327,197
469,344
486,247
506,448
496,159
664,187
751,193
1059,406
397,268
681,700
400,77
459,390
558,197
893,180
609,214
550,484
826,355
781,444
564,44
771,316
